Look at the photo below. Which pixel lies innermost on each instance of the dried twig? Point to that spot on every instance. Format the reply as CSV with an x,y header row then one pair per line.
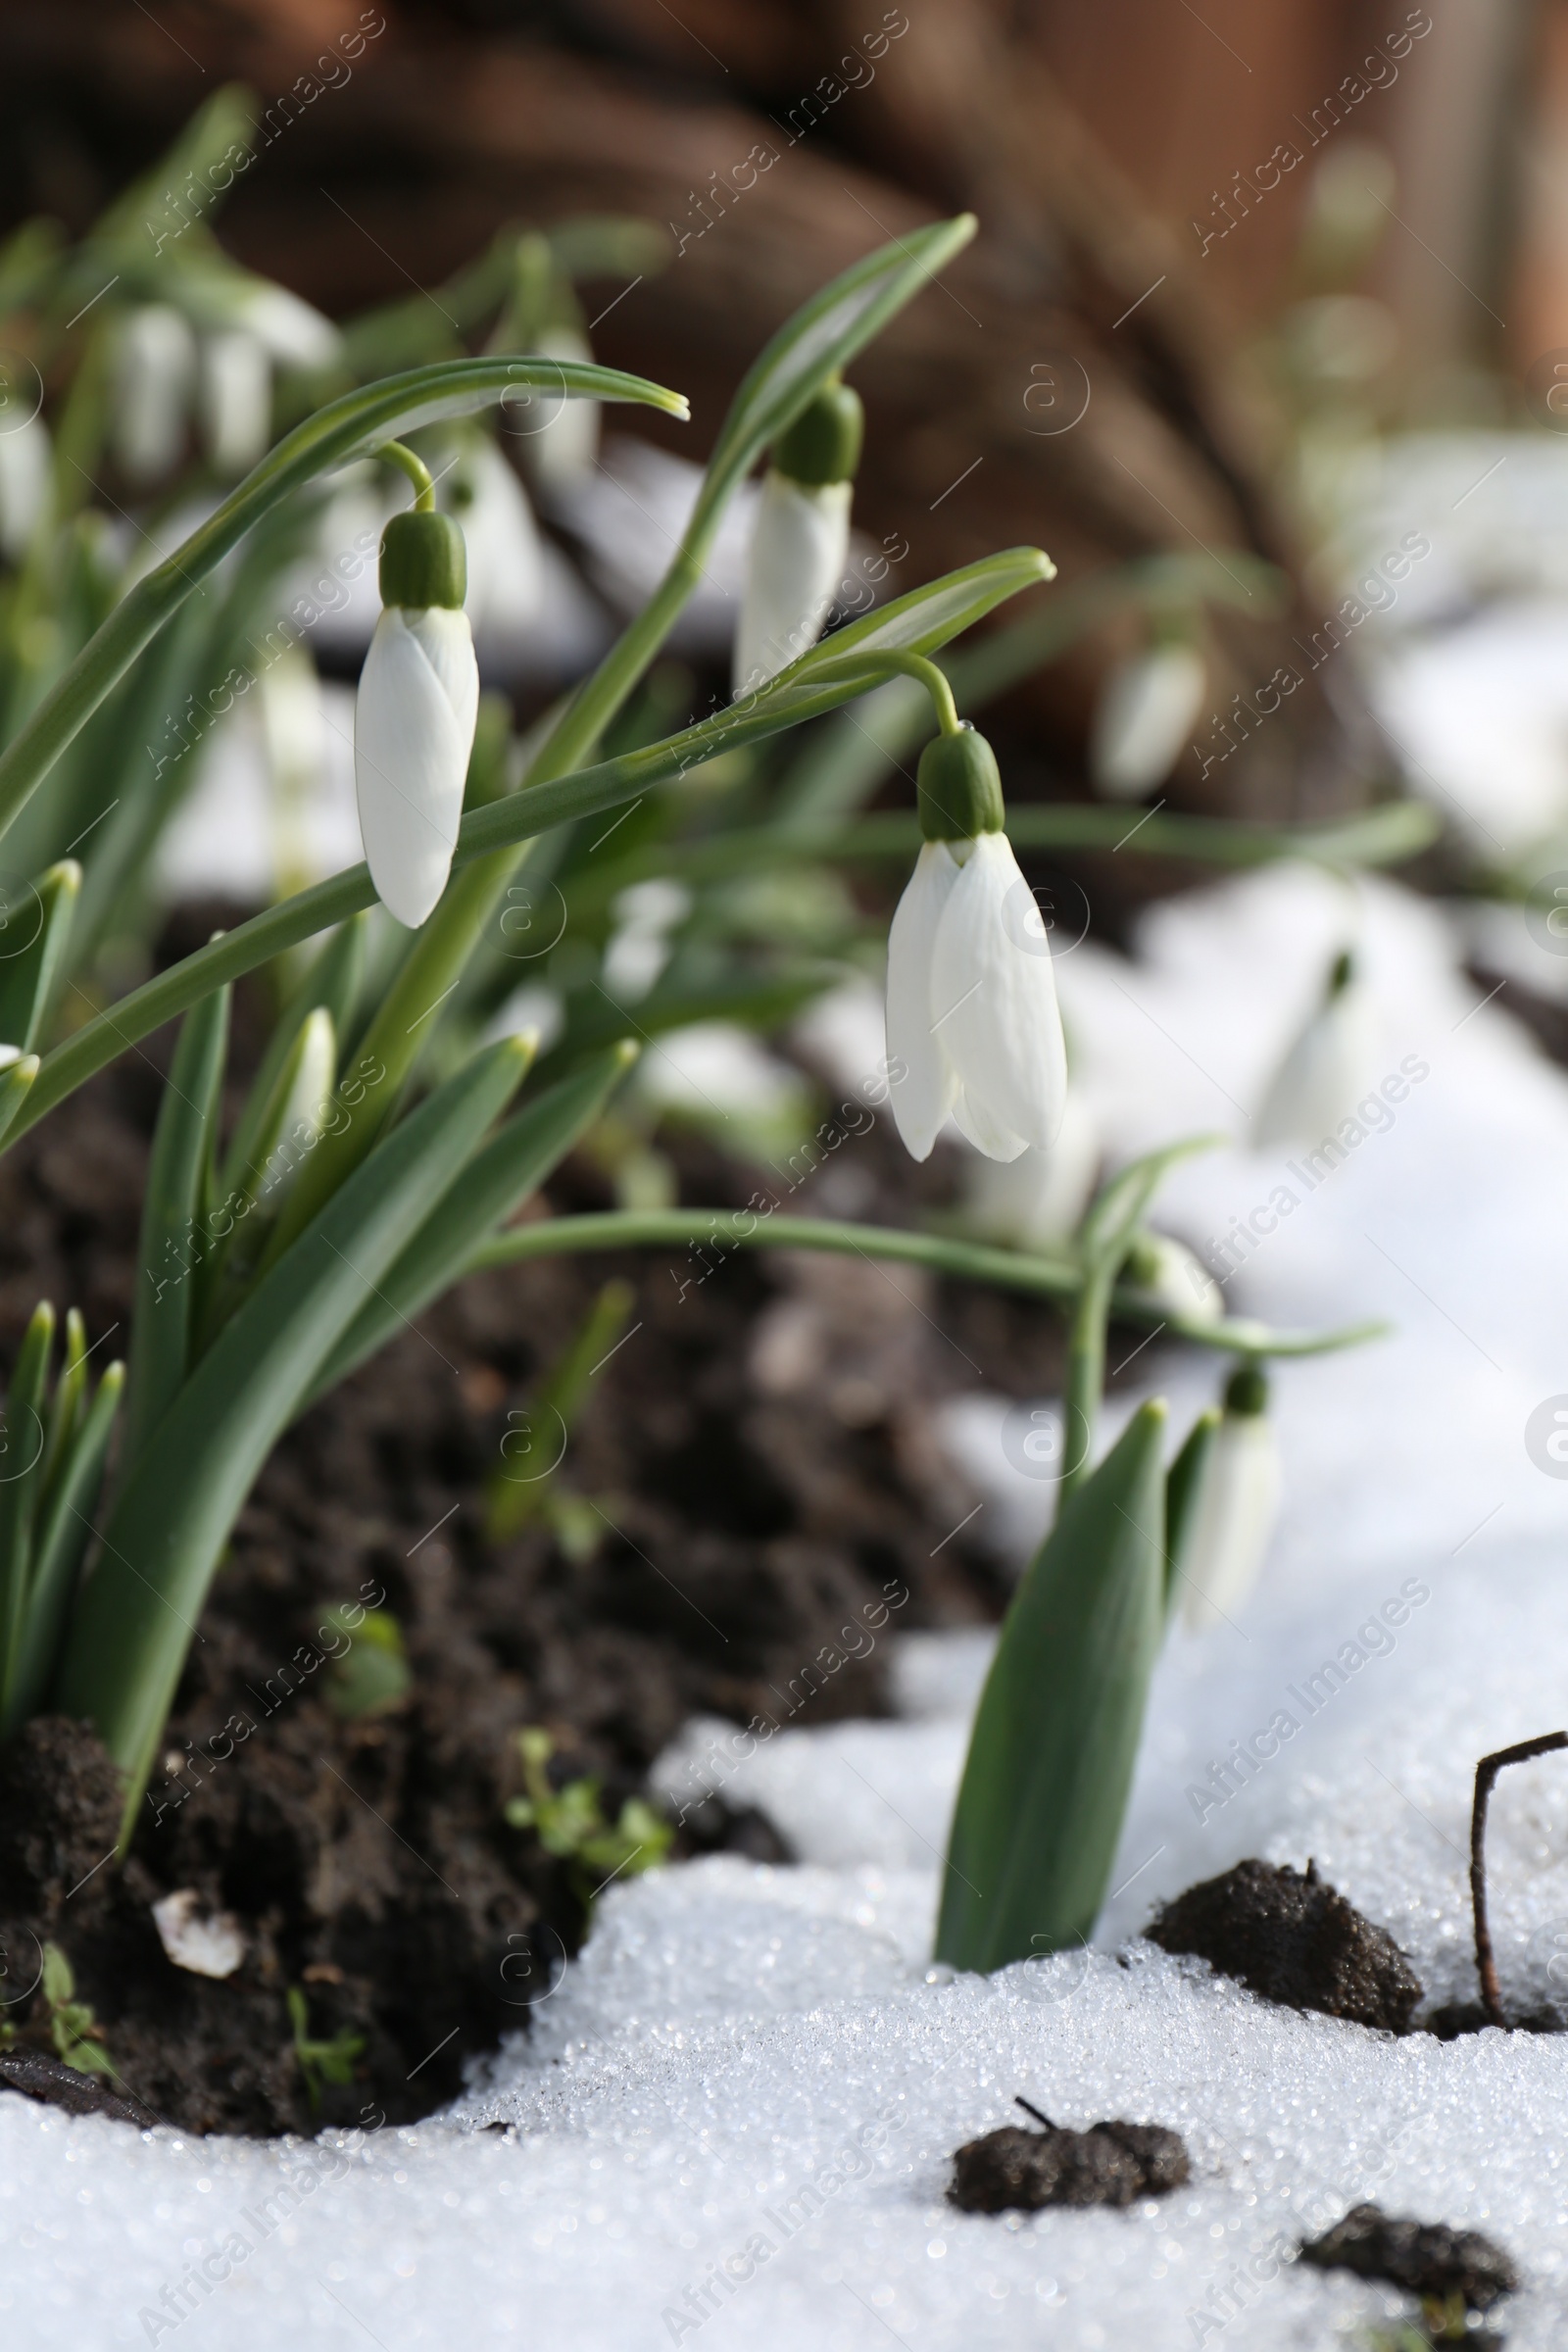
x,y
1487,1772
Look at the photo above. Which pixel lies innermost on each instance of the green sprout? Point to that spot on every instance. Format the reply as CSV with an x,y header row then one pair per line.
x,y
526,1484
72,2024
372,1676
569,1822
321,2061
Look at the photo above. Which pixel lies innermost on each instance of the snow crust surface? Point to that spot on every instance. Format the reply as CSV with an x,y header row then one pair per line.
x,y
732,2120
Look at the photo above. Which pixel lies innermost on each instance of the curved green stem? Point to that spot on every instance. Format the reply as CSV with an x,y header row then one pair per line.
x,y
890,664
975,1261
398,453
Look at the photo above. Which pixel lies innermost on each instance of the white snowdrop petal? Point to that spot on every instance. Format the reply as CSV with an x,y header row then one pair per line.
x,y
293,332
922,1084
237,399
799,548
993,995
413,727
565,449
1328,1069
1148,709
976,1124
153,367
1035,1200
25,455
1232,1519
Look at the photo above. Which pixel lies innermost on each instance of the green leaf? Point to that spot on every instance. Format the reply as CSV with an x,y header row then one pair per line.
x,y
497,1180
510,1502
1181,1493
21,1479
32,943
16,1084
331,985
61,1536
137,1613
372,1674
1051,1760
354,426
172,1246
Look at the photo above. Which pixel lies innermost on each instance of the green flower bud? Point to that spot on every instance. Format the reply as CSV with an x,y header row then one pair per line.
x,y
1247,1390
424,563
823,444
960,787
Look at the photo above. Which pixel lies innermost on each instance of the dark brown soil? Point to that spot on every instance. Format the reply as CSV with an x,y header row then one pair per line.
x,y
1287,1935
1110,2164
759,1459
1426,2257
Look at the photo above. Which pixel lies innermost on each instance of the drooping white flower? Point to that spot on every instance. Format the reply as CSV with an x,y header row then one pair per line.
x,y
562,453
155,367
1231,1518
973,1029
414,722
235,399
1149,706
1036,1201
797,562
1329,1068
291,332
801,539
639,947
24,468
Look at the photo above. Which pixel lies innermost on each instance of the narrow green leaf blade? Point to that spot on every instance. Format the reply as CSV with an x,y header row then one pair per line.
x,y
58,1550
169,1252
1116,1214
513,1164
1181,1493
34,936
21,1479
1055,1739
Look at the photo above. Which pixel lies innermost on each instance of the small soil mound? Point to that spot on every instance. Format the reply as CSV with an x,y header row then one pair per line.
x,y
1110,2164
1425,2258
1289,1935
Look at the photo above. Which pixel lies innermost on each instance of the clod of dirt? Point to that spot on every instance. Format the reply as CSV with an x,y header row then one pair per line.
x,y
1426,2257
1110,2164
59,2086
60,1805
1289,1935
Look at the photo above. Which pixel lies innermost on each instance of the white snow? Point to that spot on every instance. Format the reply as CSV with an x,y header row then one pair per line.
x,y
733,2116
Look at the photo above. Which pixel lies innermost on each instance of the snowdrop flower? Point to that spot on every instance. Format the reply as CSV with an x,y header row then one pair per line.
x,y
1036,1201
973,1027
236,400
292,333
1148,709
415,718
1170,1276
802,538
1327,1068
564,450
24,470
506,561
1232,1515
155,366
639,947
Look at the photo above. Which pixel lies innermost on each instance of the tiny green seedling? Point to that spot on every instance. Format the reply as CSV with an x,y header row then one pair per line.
x,y
571,1824
372,1675
72,2023
321,2061
524,1487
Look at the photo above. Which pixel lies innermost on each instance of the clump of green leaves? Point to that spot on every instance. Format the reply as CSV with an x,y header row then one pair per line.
x,y
321,2061
569,1822
526,1486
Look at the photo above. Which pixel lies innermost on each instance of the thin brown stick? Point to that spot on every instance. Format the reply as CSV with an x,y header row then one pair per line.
x,y
1487,1772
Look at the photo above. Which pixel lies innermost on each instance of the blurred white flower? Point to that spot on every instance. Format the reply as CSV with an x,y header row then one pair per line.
x,y
973,1028
1149,706
639,948
24,470
155,368
414,725
506,562
307,1108
1328,1069
292,332
236,400
565,449
799,549
1035,1201
1231,1518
